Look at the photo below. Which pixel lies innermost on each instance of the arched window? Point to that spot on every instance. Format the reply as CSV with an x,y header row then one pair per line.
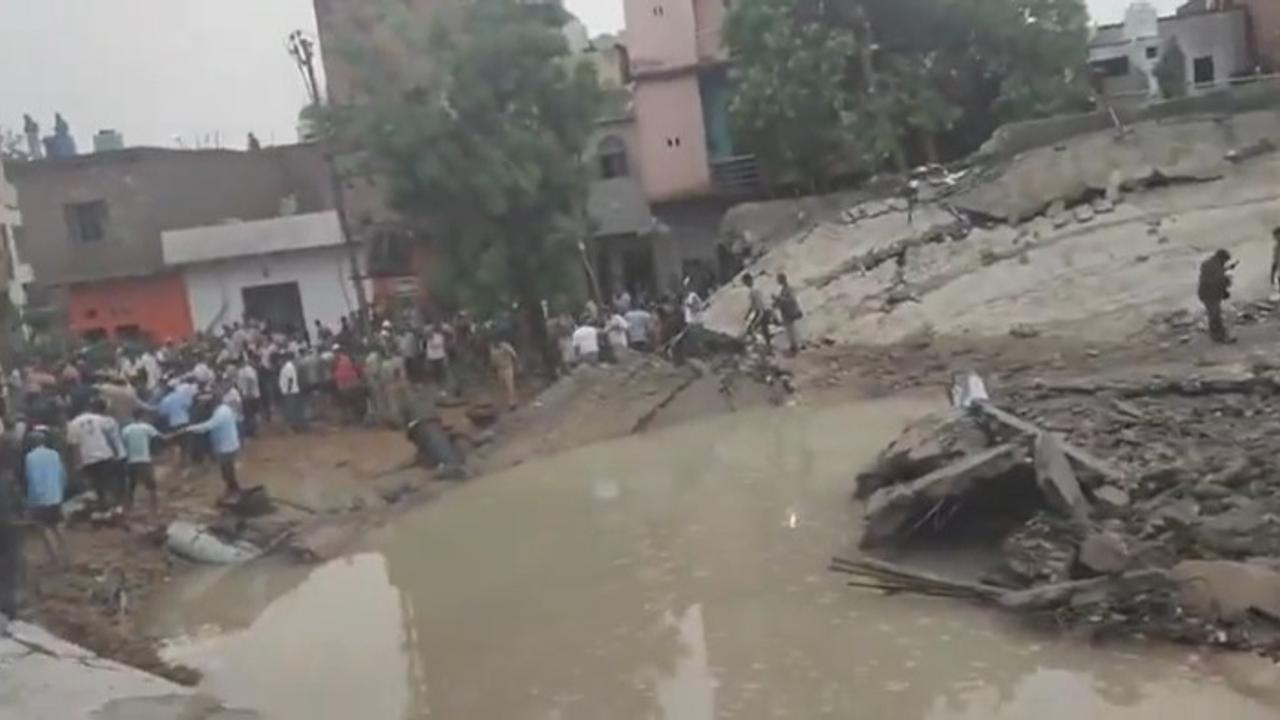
x,y
612,153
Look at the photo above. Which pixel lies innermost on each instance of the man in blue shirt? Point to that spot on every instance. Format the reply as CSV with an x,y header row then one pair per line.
x,y
137,437
175,407
224,438
46,481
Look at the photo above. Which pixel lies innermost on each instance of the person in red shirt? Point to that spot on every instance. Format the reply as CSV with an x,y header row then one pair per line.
x,y
346,379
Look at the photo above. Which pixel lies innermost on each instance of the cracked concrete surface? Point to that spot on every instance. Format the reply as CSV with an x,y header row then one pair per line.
x,y
45,678
1196,148
881,280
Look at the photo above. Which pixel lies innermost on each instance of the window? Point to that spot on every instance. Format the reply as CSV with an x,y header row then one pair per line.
x,y
1202,70
1153,52
612,153
87,222
1112,67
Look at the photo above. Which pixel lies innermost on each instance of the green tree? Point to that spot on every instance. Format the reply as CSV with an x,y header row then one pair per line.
x,y
1171,71
797,128
484,154
867,81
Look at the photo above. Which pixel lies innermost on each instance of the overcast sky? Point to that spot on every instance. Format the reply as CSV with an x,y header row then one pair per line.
x,y
161,69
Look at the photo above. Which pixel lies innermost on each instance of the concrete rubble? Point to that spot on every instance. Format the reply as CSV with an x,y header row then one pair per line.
x,y
1130,505
1100,231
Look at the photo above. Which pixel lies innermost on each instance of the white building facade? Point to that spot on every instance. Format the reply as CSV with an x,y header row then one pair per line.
x,y
289,271
1214,42
18,273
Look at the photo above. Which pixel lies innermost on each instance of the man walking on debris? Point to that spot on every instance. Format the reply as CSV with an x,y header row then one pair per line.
x,y
757,312
1275,259
789,310
1215,287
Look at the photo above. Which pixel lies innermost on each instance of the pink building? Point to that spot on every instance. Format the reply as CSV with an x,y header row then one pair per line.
x,y
678,66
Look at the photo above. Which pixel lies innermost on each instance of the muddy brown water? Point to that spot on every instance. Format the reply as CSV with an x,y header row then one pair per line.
x,y
678,575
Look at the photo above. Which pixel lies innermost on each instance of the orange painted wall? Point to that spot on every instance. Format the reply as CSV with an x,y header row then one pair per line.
x,y
156,304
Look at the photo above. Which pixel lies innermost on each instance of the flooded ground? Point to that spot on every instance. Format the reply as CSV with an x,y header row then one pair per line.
x,y
680,574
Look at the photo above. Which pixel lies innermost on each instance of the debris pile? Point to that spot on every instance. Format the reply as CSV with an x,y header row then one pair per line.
x,y
1175,535
1093,234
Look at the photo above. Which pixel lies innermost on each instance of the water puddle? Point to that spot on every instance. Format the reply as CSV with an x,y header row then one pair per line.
x,y
677,575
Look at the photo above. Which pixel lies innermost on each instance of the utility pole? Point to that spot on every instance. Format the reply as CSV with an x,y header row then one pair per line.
x,y
303,51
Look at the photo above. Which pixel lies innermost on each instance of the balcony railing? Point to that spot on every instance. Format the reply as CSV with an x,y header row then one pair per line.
x,y
739,175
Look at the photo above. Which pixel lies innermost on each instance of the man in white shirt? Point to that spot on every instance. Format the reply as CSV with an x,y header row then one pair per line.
x,y
291,394
246,381
99,450
616,329
693,305
148,362
437,355
586,343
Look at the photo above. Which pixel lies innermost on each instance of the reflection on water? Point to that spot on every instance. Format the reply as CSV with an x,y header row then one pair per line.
x,y
676,575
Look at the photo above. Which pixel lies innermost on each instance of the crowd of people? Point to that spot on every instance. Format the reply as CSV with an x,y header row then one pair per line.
x,y
95,420
671,326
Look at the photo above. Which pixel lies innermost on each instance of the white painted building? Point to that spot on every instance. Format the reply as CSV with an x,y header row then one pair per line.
x,y
17,274
1215,43
290,270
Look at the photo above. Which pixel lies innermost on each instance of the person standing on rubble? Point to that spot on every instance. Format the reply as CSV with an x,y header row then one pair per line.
x,y
1215,287
1275,259
789,311
757,311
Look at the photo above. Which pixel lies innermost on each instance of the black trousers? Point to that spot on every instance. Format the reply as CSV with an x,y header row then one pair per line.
x,y
107,479
227,467
1217,326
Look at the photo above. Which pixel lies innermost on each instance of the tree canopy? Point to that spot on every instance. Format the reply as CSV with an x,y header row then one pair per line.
x,y
829,87
481,148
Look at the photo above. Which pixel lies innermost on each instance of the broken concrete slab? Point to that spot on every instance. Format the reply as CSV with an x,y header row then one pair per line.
x,y
1086,460
1105,553
1111,500
1102,162
924,446
47,678
1056,478
1225,590
891,510
1234,533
